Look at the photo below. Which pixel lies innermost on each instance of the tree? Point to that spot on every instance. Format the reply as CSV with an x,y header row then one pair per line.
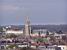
x,y
27,48
40,39
39,33
1,29
12,46
47,33
11,36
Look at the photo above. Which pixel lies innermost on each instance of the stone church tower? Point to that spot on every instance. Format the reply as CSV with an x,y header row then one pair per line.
x,y
27,29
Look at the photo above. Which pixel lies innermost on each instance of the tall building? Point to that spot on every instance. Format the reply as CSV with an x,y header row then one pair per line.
x,y
27,29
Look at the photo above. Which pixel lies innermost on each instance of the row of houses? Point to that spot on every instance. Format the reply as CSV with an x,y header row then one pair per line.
x,y
58,47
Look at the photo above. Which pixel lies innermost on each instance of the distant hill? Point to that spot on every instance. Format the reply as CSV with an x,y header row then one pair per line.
x,y
51,28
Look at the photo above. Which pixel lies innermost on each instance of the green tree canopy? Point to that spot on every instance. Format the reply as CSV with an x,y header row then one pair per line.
x,y
11,36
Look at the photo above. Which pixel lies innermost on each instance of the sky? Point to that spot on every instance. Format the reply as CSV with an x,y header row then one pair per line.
x,y
13,12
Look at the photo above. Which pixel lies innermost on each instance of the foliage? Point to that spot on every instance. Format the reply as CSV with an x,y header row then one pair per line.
x,y
12,46
27,48
45,40
42,40
11,36
1,29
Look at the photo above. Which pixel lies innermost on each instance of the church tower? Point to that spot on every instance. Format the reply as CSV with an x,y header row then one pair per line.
x,y
27,29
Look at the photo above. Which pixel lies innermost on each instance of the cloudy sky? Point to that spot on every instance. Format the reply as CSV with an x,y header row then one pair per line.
x,y
39,11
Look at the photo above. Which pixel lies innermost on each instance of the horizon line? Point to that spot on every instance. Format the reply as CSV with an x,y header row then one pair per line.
x,y
31,24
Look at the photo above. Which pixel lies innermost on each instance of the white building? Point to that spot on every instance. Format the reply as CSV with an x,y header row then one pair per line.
x,y
58,36
42,32
17,32
63,47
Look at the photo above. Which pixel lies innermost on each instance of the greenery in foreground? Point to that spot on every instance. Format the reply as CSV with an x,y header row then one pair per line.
x,y
16,47
27,48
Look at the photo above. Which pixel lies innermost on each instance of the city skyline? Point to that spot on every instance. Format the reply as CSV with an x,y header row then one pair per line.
x,y
39,11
